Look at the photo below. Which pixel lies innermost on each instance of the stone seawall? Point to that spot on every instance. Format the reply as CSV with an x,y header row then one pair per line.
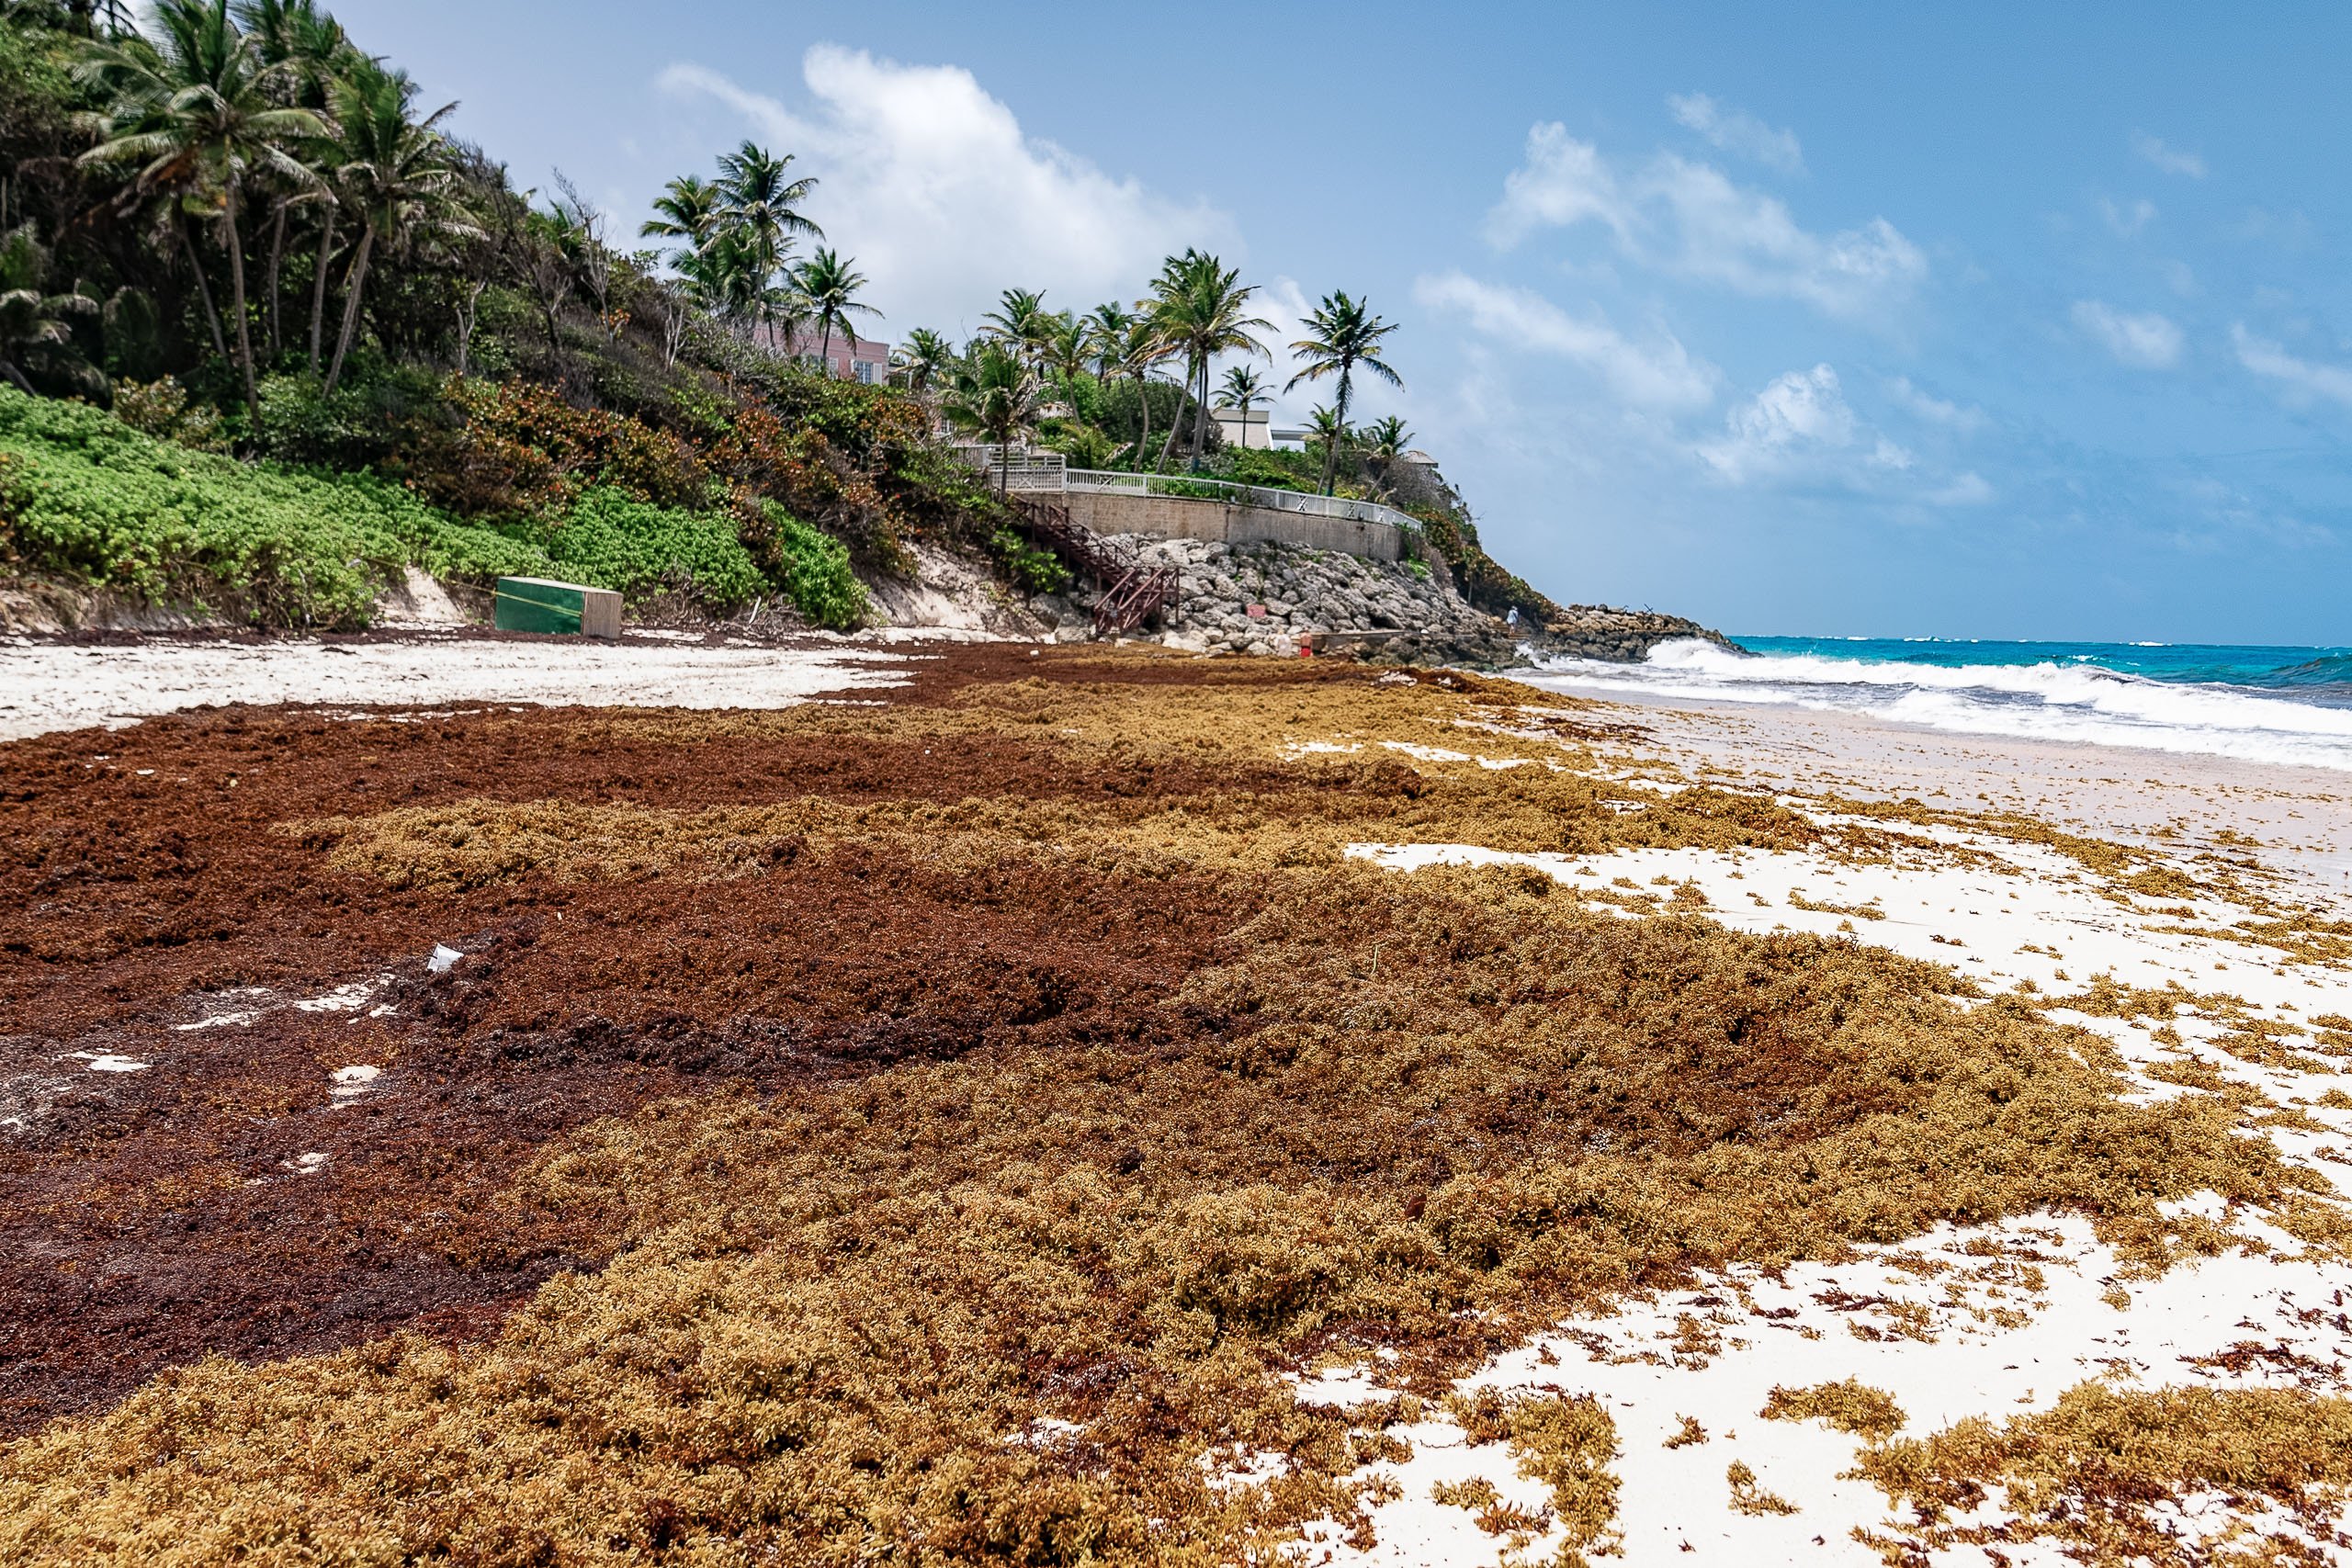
x,y
1220,523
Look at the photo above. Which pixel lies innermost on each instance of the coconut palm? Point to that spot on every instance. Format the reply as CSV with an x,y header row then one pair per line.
x,y
1139,351
1343,337
995,395
688,208
828,286
1065,347
30,319
311,47
396,174
1022,320
195,117
1106,330
1328,428
1242,389
1198,303
924,359
1386,441
761,201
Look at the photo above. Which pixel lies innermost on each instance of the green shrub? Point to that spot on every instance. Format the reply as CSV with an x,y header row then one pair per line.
x,y
84,497
812,569
612,540
1032,569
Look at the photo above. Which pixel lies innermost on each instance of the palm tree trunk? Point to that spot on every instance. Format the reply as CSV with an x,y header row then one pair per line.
x,y
203,288
319,287
353,288
1200,419
1169,445
237,299
1143,396
276,257
825,349
1340,421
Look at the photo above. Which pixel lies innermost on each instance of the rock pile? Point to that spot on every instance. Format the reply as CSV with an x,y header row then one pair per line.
x,y
1392,609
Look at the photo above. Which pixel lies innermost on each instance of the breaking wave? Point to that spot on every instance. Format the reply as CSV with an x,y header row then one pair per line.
x,y
2291,705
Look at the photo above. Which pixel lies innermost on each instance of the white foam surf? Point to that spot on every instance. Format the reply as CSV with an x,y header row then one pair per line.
x,y
2078,702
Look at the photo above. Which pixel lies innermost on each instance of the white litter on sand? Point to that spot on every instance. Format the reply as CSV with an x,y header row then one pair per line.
x,y
443,959
309,1164
48,686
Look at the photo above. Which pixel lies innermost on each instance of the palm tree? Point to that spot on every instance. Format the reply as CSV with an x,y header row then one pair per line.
x,y
28,318
311,47
397,174
1139,351
1343,337
996,395
688,208
1022,320
1106,330
828,287
760,199
1328,429
198,115
1198,304
923,359
1242,389
1065,348
1385,442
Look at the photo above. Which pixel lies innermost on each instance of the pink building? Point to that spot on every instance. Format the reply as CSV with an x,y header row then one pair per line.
x,y
850,359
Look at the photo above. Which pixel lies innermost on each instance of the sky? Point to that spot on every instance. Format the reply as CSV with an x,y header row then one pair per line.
x,y
1996,321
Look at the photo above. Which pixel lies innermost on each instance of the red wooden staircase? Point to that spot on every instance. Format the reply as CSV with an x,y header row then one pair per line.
x,y
1131,592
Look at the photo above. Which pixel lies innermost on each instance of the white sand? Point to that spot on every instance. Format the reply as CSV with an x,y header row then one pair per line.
x,y
47,686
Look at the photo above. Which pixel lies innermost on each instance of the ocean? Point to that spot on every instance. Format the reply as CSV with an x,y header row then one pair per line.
x,y
2258,704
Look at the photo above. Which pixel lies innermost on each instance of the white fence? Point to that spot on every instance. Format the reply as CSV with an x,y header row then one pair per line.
x,y
1036,470
1022,469
1184,487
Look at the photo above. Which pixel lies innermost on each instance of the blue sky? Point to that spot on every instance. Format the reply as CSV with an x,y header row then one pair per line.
x,y
1998,321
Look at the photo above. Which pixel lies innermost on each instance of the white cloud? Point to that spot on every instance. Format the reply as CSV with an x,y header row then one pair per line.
x,y
2146,343
1801,418
2302,379
1660,374
1689,219
931,185
2127,221
2171,160
1739,133
1933,408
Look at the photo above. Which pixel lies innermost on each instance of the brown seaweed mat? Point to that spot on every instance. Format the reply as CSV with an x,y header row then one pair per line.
x,y
925,1129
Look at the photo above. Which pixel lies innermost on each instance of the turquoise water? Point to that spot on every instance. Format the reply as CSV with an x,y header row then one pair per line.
x,y
2309,674
2266,704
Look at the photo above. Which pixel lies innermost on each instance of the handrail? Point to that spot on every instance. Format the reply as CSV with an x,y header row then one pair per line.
x,y
1185,487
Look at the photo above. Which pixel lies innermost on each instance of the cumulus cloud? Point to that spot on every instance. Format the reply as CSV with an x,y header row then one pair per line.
x,y
2171,160
1738,133
932,183
1933,408
1800,424
2301,379
2146,343
1689,219
1659,374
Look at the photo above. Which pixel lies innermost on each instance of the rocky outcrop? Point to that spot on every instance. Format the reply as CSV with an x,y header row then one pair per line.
x,y
1402,612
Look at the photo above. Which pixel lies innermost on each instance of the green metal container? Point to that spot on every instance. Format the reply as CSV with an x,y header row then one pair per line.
x,y
541,604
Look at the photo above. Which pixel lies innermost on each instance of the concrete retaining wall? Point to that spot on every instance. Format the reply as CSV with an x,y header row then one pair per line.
x,y
1183,517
